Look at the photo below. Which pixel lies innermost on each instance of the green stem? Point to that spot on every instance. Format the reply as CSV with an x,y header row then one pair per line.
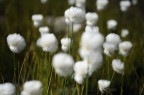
x,y
86,93
78,89
14,76
142,89
112,76
122,85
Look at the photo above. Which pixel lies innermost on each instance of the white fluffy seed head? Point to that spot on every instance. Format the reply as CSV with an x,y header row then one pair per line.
x,y
113,39
7,89
48,43
33,87
43,30
101,4
44,1
118,66
111,24
78,78
92,29
16,42
94,61
91,18
63,64
80,3
65,44
125,47
81,68
134,2
74,15
109,49
91,40
103,85
71,2
124,33
37,19
124,5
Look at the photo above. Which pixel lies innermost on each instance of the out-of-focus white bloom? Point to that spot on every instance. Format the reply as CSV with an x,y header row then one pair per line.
x,y
44,1
71,2
111,24
134,2
92,29
79,78
101,4
94,62
63,64
124,5
91,18
7,89
81,4
113,39
43,30
118,66
33,87
59,24
124,32
65,44
76,27
103,85
91,41
74,15
125,47
81,71
16,42
48,43
37,19
111,44
109,48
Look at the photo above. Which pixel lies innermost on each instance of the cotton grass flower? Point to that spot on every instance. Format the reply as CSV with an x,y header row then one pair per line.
x,y
80,4
91,40
81,71
65,44
33,87
111,24
118,66
91,18
37,19
7,89
63,64
71,2
95,60
44,1
109,49
43,30
74,15
111,44
103,85
124,5
92,29
16,42
124,33
134,2
113,39
125,47
48,43
101,4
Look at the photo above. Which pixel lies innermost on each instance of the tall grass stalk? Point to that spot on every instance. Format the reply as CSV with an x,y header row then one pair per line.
x,y
14,66
122,84
86,92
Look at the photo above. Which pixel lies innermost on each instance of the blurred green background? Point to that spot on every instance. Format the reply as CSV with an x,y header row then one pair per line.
x,y
15,17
